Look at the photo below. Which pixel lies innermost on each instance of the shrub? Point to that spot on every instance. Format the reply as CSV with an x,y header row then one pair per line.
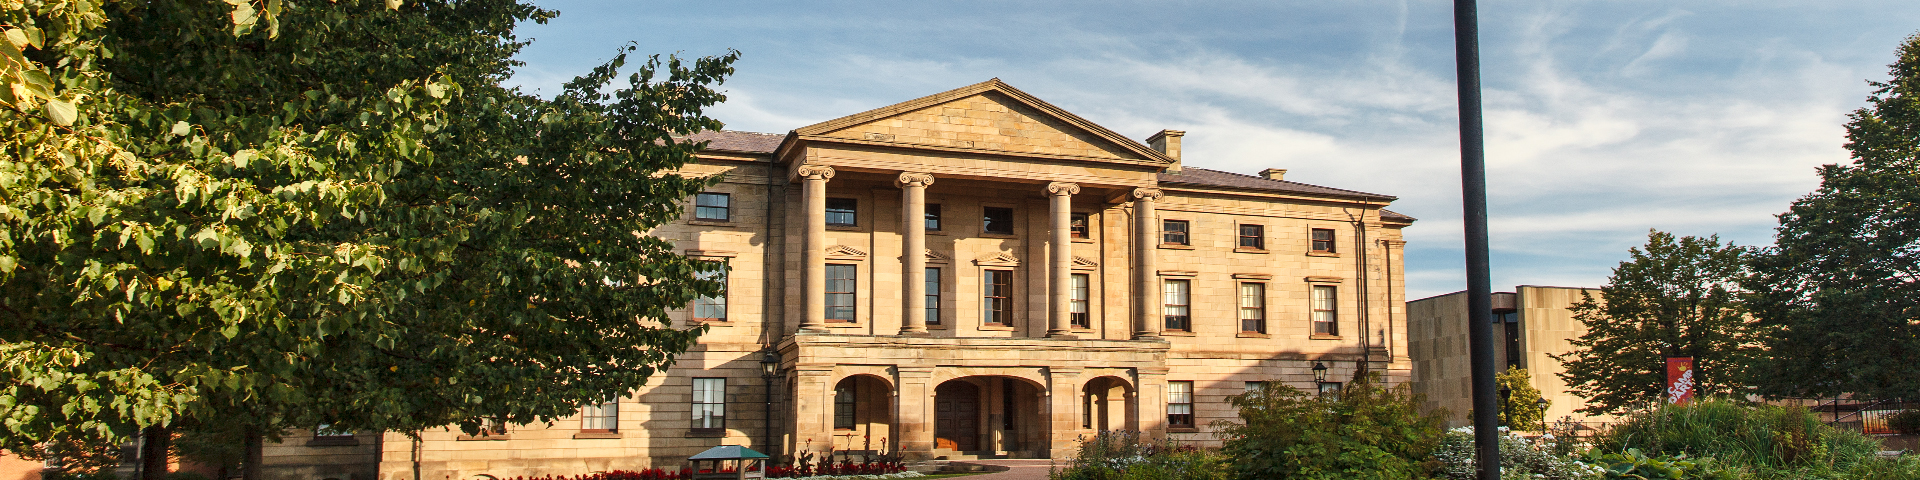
x,y
1124,455
1907,422
1632,464
1771,441
1541,458
1367,431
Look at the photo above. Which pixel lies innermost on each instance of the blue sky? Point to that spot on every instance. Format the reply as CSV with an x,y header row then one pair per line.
x,y
1604,119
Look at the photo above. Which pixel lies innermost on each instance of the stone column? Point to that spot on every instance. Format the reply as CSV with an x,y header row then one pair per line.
x,y
813,409
1059,294
1064,428
1146,243
814,250
1152,401
913,254
916,412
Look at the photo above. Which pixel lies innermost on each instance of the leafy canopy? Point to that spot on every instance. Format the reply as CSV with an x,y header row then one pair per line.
x,y
1838,296
1676,297
292,213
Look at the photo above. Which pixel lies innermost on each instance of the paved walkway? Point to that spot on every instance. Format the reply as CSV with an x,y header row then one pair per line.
x,y
1017,469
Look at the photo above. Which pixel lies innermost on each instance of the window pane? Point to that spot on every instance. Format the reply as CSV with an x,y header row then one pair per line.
x,y
1174,232
933,216
998,220
1077,302
999,297
601,416
933,296
1325,314
1078,225
841,211
709,403
1253,236
1253,307
1322,240
711,206
1175,296
841,280
1180,404
843,407
715,307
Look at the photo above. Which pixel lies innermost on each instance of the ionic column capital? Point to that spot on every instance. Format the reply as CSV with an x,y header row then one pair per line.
x,y
810,171
1148,194
913,179
1063,188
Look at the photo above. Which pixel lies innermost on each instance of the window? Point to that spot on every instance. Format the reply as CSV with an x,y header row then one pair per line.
x,y
998,220
712,308
712,206
1256,387
1331,389
1180,404
933,296
1174,232
709,403
841,212
1253,236
1077,223
1325,317
1323,240
999,297
840,292
601,417
933,217
843,405
1077,302
1086,410
1253,307
1175,296
327,430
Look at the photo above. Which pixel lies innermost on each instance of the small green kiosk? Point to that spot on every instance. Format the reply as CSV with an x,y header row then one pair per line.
x,y
746,463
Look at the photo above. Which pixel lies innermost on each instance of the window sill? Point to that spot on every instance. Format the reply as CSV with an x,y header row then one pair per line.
x,y
844,228
483,438
1176,246
1249,250
1084,240
937,232
938,326
996,328
1253,335
712,223
1182,430
834,324
1324,337
1176,333
998,235
595,435
1323,254
706,433
718,322
333,441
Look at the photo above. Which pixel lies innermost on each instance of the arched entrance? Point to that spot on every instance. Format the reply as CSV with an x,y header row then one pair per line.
x,y
990,415
1107,403
862,415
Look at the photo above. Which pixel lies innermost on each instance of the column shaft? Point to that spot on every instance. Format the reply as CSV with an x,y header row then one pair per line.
x,y
1059,291
913,257
814,250
1146,243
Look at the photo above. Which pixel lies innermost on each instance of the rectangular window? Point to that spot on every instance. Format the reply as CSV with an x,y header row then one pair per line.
x,y
841,212
1077,303
1253,307
1253,236
841,281
714,308
712,206
1325,315
933,217
1174,232
843,406
1330,389
709,403
1175,296
998,220
1078,225
1323,240
601,417
999,297
1256,387
933,296
1180,404
327,430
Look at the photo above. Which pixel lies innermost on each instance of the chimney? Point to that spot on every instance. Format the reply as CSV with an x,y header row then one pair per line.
x,y
1276,174
1168,142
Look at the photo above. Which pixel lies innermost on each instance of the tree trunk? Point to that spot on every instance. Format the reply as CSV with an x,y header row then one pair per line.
x,y
256,444
154,452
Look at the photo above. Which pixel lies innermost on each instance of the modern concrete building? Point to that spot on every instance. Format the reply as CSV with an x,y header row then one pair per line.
x,y
1530,323
976,272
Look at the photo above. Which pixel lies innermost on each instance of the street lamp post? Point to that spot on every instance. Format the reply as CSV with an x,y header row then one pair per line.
x,y
1506,407
769,366
1542,403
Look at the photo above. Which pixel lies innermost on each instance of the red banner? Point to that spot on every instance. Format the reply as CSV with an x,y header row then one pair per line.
x,y
1680,379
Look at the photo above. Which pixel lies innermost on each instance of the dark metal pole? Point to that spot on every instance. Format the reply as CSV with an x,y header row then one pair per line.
x,y
1473,190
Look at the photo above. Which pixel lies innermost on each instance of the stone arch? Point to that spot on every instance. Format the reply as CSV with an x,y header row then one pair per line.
x,y
1108,402
993,411
862,414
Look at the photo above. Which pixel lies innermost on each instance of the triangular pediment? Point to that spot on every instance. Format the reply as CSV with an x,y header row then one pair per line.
x,y
843,252
936,257
997,259
987,116
1084,263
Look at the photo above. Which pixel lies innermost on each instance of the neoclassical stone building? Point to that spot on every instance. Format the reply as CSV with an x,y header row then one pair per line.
x,y
976,272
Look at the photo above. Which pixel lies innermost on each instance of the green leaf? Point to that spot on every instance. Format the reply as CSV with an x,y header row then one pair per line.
x,y
61,112
18,38
182,128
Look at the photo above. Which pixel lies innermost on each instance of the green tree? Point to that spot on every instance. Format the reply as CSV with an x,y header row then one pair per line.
x,y
1836,295
280,214
1520,408
1676,297
1368,431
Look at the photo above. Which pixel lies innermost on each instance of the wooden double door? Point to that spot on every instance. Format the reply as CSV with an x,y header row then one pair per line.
x,y
956,407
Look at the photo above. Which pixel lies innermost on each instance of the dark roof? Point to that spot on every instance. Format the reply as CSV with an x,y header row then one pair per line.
x,y
731,141
1395,216
727,452
1216,178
